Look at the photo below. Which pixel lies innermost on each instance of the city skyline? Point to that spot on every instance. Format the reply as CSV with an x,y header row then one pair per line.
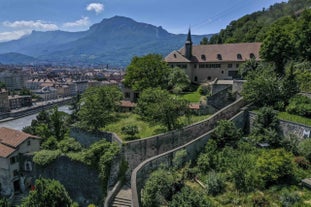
x,y
204,17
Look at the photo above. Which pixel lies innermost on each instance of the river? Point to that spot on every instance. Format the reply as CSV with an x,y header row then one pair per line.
x,y
20,123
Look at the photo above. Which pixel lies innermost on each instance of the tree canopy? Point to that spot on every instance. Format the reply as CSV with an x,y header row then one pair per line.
x,y
47,193
159,106
97,105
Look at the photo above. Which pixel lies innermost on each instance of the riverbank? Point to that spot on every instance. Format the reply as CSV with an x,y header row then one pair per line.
x,y
26,111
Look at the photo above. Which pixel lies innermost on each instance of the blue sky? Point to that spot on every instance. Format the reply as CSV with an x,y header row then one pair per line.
x,y
20,17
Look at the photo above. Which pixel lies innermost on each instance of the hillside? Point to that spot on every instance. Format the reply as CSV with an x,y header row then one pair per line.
x,y
253,27
113,41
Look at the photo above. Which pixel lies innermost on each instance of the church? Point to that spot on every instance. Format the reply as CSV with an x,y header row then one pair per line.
x,y
204,63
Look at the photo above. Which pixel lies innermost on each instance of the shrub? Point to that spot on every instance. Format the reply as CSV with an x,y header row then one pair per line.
x,y
302,162
288,199
179,158
130,130
50,144
259,200
300,105
226,134
44,157
69,145
304,148
215,183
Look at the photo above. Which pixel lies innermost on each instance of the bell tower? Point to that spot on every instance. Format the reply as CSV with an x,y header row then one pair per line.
x,y
188,46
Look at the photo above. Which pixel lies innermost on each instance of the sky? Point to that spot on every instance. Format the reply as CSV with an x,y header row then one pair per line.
x,y
20,17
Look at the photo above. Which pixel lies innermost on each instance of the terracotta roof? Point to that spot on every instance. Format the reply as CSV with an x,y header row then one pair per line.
x,y
209,53
5,151
194,106
12,137
176,57
127,104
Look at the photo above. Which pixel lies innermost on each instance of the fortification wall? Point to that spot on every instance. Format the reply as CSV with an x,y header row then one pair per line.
x,y
137,151
81,181
193,149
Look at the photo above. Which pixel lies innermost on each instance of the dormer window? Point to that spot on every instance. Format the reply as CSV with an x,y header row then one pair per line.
x,y
203,57
175,56
219,57
252,56
239,56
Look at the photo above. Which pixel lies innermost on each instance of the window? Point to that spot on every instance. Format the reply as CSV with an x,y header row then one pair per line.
x,y
201,65
237,65
15,173
28,143
195,78
175,56
252,55
219,57
203,57
13,160
239,56
195,65
222,72
127,95
230,65
209,78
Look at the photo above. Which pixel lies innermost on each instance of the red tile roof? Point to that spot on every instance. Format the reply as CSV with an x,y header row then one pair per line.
x,y
12,137
209,53
5,151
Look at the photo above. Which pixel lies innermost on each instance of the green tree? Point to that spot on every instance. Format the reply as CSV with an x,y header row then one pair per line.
x,y
266,127
249,65
58,125
278,46
226,134
2,85
177,80
188,197
159,106
204,41
215,183
97,105
207,160
304,148
303,35
147,71
275,165
262,88
47,193
158,188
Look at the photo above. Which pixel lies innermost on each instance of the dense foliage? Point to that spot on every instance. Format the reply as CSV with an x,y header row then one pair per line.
x,y
300,105
151,71
159,106
47,193
253,27
97,105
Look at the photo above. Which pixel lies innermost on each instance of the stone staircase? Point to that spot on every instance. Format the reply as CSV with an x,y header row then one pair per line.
x,y
17,199
124,197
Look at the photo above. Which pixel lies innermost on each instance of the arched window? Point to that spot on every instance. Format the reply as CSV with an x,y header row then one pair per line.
x,y
219,57
203,57
239,56
175,56
252,56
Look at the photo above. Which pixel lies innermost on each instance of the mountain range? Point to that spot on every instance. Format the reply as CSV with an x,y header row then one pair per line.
x,y
114,41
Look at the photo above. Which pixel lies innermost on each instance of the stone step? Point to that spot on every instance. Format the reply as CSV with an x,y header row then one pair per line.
x,y
123,199
121,202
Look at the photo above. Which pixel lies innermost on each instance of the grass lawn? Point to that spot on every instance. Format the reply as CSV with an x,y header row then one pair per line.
x,y
192,97
145,129
294,118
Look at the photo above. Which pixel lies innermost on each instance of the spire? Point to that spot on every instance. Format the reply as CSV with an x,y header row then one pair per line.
x,y
188,46
189,36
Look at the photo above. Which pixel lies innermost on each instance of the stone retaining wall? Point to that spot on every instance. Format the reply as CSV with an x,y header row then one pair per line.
x,y
137,151
193,148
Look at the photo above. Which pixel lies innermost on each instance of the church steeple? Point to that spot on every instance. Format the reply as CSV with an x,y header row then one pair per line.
x,y
188,46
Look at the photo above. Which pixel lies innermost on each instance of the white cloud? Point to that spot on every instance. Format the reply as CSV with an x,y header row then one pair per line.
x,y
84,21
97,7
40,25
14,35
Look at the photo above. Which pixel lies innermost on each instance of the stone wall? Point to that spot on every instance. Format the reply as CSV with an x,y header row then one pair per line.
x,y
193,148
287,127
221,98
87,138
81,181
137,151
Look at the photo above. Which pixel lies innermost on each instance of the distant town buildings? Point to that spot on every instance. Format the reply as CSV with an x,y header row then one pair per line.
x,y
204,63
14,79
14,162
4,101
